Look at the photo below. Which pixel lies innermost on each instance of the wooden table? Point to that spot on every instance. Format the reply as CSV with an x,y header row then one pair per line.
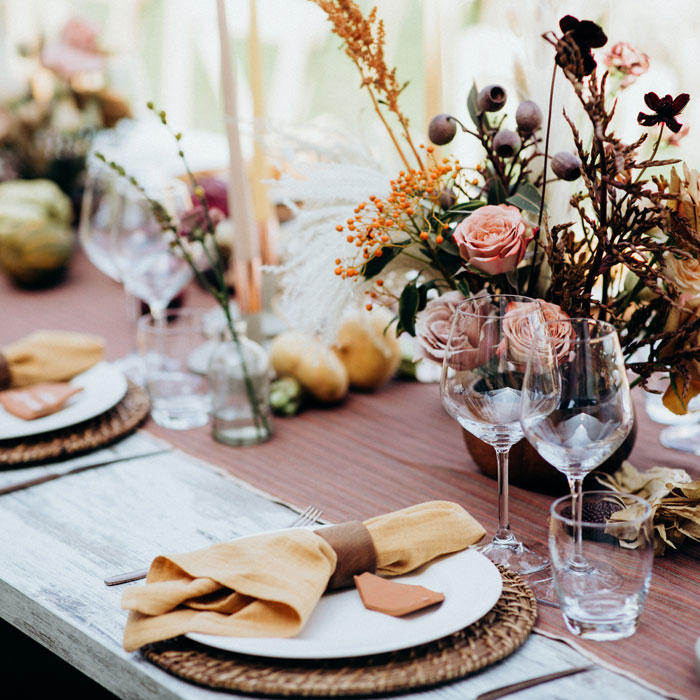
x,y
378,452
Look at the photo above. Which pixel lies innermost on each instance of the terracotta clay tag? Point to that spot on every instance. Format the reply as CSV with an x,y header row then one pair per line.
x,y
38,400
392,597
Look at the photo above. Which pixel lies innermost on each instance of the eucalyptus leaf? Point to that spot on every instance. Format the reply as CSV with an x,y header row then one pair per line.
x,y
497,194
408,308
473,106
466,206
527,198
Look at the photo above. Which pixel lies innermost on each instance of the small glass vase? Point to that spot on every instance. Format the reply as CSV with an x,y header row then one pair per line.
x,y
234,418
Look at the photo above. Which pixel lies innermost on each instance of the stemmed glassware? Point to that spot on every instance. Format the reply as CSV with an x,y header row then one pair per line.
x,y
576,410
480,386
149,267
122,239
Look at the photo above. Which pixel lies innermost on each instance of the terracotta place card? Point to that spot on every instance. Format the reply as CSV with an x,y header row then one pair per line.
x,y
38,400
392,597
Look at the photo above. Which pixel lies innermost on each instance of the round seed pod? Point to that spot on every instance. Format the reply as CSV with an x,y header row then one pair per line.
x,y
492,98
442,129
528,117
447,198
506,143
566,166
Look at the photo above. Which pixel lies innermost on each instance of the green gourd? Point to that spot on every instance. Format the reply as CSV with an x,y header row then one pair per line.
x,y
36,252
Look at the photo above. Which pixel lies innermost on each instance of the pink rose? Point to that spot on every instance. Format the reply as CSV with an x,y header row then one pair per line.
x,y
629,61
493,239
433,325
522,320
474,336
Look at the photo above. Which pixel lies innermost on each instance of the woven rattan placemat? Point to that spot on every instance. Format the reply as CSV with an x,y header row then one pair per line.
x,y
92,434
495,636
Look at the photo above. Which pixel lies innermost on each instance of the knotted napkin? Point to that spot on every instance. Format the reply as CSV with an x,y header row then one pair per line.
x,y
48,356
268,585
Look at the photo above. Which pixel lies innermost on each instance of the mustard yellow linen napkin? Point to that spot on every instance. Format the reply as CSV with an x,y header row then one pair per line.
x,y
48,356
268,585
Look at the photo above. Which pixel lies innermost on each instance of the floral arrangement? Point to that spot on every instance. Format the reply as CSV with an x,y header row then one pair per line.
x,y
441,230
45,132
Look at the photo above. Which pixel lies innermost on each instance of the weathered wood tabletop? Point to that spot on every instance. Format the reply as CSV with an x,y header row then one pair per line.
x,y
378,452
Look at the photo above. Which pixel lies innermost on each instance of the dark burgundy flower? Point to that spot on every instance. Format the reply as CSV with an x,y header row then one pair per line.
x,y
665,109
587,35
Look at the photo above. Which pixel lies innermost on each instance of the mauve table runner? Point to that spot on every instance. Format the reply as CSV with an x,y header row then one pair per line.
x,y
387,450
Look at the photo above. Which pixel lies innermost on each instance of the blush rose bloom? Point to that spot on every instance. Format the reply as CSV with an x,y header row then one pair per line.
x,y
493,239
433,325
685,274
475,335
520,326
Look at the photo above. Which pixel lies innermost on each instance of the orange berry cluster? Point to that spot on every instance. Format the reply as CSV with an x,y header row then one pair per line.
x,y
415,194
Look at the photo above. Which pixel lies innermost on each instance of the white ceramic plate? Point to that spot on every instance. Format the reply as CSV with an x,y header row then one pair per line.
x,y
103,386
340,626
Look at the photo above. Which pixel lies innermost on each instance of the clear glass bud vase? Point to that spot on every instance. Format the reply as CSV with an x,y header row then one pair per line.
x,y
238,418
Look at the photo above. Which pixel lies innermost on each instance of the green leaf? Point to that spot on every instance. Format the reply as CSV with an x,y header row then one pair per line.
x,y
473,106
423,294
408,308
376,265
463,287
466,206
527,198
497,193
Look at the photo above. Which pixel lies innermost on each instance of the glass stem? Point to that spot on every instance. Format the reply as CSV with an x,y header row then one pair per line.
x,y
503,532
576,487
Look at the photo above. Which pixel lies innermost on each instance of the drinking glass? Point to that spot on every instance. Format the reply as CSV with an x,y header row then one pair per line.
x,y
100,213
480,386
176,383
150,268
616,532
576,410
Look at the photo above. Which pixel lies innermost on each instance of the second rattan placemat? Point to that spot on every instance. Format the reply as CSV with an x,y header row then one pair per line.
x,y
498,634
92,434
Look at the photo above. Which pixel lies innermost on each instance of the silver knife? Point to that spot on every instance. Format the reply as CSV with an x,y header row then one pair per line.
x,y
521,685
18,486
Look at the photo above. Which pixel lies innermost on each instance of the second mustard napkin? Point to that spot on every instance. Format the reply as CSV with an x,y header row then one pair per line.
x,y
268,585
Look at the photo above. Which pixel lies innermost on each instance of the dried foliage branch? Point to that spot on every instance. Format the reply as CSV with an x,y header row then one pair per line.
x,y
364,44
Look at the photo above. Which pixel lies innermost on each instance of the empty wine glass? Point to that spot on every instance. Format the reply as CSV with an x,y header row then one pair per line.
x,y
100,212
576,410
149,267
480,385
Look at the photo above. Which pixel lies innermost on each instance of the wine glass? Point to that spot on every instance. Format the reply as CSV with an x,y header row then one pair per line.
x,y
150,269
100,212
576,410
480,386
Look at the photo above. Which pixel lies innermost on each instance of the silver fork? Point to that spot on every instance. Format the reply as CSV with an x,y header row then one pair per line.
x,y
308,516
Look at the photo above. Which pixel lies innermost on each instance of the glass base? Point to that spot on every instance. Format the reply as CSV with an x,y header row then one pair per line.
x,y
589,579
240,435
541,584
514,555
602,619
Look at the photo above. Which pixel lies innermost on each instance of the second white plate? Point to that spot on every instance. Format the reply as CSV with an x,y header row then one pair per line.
x,y
103,386
340,626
